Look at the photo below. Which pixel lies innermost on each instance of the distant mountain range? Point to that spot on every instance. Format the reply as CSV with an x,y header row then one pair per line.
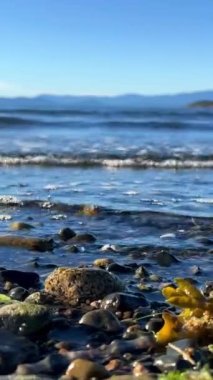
x,y
105,102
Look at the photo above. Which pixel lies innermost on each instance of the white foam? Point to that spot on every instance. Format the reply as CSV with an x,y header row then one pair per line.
x,y
204,200
5,217
7,199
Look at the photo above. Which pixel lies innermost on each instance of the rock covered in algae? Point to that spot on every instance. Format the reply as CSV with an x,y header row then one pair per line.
x,y
77,285
24,317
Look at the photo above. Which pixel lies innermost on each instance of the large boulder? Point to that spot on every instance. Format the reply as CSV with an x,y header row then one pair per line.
x,y
78,285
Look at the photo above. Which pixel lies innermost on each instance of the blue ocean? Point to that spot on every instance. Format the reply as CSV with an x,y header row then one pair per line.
x,y
146,174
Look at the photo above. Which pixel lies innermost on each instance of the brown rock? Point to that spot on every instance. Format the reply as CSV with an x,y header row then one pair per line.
x,y
82,369
31,243
17,226
77,285
113,365
103,262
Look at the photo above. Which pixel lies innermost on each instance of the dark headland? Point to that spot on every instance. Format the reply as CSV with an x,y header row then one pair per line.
x,y
202,104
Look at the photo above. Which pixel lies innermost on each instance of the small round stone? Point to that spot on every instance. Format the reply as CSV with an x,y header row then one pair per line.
x,y
101,319
66,233
18,293
154,324
84,238
82,369
18,226
123,302
103,262
141,272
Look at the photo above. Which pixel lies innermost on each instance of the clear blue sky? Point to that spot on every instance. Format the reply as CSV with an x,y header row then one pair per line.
x,y
105,46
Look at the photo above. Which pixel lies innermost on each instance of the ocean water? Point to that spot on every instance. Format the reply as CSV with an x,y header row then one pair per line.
x,y
148,174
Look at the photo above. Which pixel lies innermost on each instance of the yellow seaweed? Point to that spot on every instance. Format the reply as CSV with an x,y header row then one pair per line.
x,y
188,289
195,319
171,329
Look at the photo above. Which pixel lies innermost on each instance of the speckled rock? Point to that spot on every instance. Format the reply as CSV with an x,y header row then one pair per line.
x,y
77,285
24,317
101,319
17,226
82,369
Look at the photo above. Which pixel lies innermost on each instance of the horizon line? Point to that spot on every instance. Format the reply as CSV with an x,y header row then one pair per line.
x,y
103,95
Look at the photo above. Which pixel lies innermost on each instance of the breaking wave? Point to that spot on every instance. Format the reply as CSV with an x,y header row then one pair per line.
x,y
142,162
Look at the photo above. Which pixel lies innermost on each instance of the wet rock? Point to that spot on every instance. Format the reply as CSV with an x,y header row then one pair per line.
x,y
66,233
101,319
82,369
23,317
155,278
141,272
173,359
165,259
75,335
36,264
145,376
109,247
77,285
103,262
83,238
54,364
113,364
140,369
195,270
208,289
143,343
165,363
18,293
15,350
40,298
117,268
24,279
18,226
168,363
154,324
181,344
72,248
123,302
89,210
31,243
133,332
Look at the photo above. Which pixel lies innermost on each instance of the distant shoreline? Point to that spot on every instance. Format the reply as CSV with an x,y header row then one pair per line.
x,y
202,104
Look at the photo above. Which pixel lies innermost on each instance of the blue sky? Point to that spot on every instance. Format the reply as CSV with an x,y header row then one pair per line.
x,y
105,46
